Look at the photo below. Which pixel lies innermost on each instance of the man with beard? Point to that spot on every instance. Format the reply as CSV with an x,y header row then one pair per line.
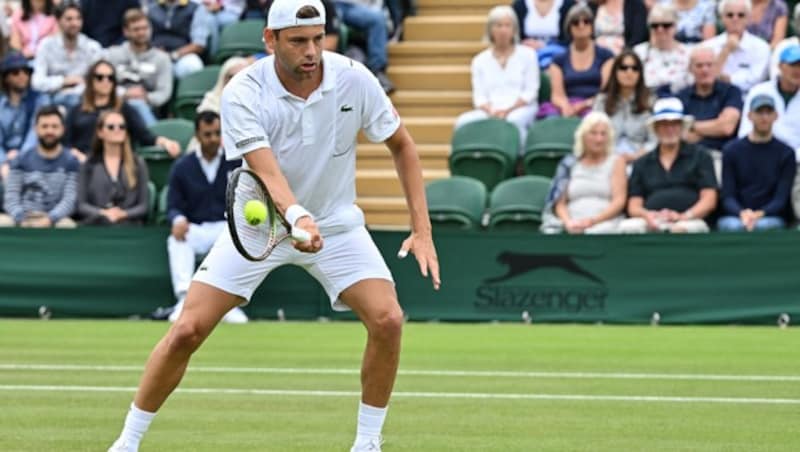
x,y
42,184
18,104
63,58
143,70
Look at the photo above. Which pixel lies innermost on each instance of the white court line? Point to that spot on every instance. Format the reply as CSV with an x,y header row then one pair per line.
x,y
436,373
423,395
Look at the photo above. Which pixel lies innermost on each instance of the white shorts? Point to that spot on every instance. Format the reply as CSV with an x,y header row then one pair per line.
x,y
345,259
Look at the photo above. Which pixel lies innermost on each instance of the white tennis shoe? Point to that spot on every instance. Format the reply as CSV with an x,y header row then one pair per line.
x,y
123,446
372,445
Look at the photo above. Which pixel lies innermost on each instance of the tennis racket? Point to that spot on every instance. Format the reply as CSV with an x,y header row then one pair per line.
x,y
256,242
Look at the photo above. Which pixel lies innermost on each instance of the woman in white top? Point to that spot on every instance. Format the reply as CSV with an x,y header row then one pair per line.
x,y
505,77
666,60
592,196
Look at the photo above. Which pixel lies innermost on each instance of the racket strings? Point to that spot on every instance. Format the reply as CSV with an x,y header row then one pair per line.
x,y
256,239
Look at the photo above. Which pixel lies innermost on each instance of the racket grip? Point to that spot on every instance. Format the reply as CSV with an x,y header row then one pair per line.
x,y
301,235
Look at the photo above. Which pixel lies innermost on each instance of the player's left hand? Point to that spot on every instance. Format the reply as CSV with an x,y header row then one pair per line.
x,y
421,245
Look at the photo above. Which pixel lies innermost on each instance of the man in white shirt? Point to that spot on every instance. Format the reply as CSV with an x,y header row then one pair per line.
x,y
742,58
294,117
785,91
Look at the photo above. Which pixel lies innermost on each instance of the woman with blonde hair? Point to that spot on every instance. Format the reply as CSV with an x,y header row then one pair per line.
x,y
505,77
665,59
112,184
230,68
589,190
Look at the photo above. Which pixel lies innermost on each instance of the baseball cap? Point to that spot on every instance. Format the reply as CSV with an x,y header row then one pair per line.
x,y
762,100
790,54
14,60
283,14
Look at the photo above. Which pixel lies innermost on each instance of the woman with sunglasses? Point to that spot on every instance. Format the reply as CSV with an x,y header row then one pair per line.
x,y
697,19
626,100
577,75
101,95
666,60
768,20
112,184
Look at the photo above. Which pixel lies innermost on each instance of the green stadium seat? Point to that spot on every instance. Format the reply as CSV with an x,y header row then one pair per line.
x,y
158,164
178,129
485,150
161,212
457,202
191,90
151,201
517,204
544,87
240,38
548,141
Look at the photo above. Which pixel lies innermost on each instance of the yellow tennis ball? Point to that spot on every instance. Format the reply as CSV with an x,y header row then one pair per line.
x,y
255,212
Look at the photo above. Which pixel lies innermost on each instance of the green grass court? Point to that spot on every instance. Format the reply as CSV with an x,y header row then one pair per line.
x,y
66,385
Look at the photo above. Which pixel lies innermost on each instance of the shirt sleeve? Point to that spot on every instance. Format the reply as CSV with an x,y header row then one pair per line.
x,y
730,203
530,77
480,95
201,23
635,184
707,178
379,119
783,189
242,128
40,81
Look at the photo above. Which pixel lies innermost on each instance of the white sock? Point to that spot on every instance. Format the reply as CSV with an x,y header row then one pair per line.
x,y
370,422
136,424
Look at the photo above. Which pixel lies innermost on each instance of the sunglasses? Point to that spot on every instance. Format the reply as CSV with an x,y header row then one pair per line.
x,y
664,25
732,15
583,21
628,67
101,77
113,127
16,71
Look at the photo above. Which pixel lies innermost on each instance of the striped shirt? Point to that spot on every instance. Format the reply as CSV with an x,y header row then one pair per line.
x,y
39,184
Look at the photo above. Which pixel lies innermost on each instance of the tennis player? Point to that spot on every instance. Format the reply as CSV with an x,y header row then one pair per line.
x,y
294,118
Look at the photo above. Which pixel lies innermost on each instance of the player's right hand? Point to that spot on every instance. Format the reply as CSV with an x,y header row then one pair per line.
x,y
313,245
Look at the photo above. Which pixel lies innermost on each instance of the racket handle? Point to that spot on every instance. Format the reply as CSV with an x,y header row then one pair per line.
x,y
301,235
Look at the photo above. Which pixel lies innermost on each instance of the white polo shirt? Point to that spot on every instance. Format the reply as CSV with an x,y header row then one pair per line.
x,y
313,139
747,65
786,126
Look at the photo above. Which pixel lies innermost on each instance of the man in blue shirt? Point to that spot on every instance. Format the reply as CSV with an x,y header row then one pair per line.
x,y
18,105
757,174
196,207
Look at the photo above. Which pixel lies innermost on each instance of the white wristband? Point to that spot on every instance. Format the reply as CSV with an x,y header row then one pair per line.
x,y
294,213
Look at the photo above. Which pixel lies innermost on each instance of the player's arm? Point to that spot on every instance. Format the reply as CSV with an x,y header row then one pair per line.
x,y
409,170
262,161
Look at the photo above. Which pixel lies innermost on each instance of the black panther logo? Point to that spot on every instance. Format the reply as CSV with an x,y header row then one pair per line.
x,y
519,264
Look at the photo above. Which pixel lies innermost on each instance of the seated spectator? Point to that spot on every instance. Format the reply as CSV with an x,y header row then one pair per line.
x,y
505,77
42,184
618,23
63,58
742,57
361,15
697,19
588,194
757,174
144,72
786,94
180,28
666,60
231,67
768,20
255,9
673,187
100,95
31,24
577,75
112,184
224,12
627,101
774,61
543,27
18,106
102,19
715,105
196,207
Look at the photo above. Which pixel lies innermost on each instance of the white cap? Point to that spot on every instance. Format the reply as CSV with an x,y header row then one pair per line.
x,y
283,14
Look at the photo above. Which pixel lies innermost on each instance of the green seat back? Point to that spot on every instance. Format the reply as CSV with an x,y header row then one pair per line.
x,y
517,204
547,143
544,87
457,202
240,38
158,162
180,130
191,90
485,150
152,194
161,213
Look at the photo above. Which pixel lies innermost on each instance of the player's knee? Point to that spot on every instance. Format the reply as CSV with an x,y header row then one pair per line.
x,y
387,324
185,338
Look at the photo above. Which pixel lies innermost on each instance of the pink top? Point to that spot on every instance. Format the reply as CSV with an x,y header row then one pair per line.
x,y
33,30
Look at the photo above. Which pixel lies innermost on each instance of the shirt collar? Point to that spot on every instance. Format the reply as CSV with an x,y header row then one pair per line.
x,y
271,76
203,161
